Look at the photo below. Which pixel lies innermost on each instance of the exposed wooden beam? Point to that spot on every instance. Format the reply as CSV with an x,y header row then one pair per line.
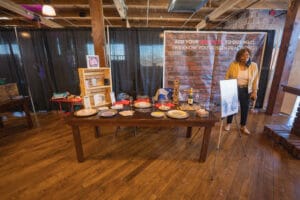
x,y
98,30
286,55
7,4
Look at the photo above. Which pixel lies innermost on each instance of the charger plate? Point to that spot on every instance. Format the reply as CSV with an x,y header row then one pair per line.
x,y
164,107
108,113
142,104
157,114
126,113
177,114
85,112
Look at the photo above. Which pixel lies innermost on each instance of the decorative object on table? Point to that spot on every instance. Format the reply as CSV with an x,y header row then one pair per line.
x,y
157,114
99,100
177,114
108,113
176,91
112,97
123,96
126,113
86,102
190,100
202,113
92,61
60,95
163,94
92,85
85,112
186,106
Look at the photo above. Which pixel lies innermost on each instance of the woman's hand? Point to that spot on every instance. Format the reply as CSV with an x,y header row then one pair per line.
x,y
253,95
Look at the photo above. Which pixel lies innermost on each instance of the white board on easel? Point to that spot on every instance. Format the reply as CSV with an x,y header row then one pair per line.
x,y
229,97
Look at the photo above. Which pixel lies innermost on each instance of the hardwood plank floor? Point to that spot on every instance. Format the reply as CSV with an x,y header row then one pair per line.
x,y
40,163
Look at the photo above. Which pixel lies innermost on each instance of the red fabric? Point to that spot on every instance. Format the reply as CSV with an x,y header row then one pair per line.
x,y
123,102
142,100
157,105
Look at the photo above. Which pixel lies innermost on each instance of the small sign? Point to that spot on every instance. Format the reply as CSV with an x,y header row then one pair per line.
x,y
229,97
113,98
99,99
86,102
92,61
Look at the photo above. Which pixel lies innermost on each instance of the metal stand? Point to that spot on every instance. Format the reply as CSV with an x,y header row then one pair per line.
x,y
219,142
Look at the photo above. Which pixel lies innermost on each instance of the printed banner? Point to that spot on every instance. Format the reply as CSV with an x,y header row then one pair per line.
x,y
200,59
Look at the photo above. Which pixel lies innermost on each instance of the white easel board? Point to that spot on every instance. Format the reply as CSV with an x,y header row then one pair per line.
x,y
229,97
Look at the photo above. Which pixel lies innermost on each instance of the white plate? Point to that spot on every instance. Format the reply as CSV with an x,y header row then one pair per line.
x,y
202,113
117,107
126,113
163,107
157,114
177,114
142,105
85,112
103,108
108,113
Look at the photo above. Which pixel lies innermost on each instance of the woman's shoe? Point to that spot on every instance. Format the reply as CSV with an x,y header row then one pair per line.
x,y
227,127
245,130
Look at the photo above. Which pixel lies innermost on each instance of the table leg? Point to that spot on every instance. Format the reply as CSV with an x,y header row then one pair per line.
x,y
205,143
27,112
77,143
189,132
97,131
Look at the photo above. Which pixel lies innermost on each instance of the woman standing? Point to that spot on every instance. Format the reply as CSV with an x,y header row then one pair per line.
x,y
246,73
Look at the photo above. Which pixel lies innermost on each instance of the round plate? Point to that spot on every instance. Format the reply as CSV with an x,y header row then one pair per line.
x,y
164,108
142,105
108,113
157,114
103,108
85,112
177,114
126,113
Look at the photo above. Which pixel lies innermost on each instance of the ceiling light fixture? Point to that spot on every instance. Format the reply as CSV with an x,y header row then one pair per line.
x,y
48,10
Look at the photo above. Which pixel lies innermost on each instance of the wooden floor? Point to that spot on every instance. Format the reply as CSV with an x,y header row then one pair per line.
x,y
155,164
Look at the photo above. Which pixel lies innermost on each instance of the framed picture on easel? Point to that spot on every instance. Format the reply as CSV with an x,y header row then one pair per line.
x,y
92,61
229,97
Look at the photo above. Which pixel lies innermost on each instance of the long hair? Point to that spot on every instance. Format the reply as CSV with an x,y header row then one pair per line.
x,y
241,52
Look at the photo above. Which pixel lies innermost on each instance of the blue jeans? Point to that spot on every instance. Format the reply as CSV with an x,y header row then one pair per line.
x,y
244,99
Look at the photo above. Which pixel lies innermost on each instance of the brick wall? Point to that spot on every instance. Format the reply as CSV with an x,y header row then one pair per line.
x,y
262,20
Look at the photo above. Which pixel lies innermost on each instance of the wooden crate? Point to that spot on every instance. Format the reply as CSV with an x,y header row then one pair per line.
x,y
94,82
8,91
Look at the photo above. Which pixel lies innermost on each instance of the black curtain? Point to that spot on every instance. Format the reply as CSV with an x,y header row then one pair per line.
x,y
136,60
46,61
10,60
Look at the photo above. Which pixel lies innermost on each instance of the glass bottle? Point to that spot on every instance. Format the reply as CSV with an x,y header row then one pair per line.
x,y
191,97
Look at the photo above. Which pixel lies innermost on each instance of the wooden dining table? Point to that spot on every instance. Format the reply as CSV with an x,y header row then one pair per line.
x,y
143,119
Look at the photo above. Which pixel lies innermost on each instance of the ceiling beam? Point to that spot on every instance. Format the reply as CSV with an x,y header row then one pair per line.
x,y
9,5
223,8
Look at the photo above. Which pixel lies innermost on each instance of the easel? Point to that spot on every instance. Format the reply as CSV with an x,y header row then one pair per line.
x,y
219,142
230,86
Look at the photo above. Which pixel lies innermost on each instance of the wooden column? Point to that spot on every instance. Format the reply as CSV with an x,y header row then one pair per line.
x,y
98,30
285,57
